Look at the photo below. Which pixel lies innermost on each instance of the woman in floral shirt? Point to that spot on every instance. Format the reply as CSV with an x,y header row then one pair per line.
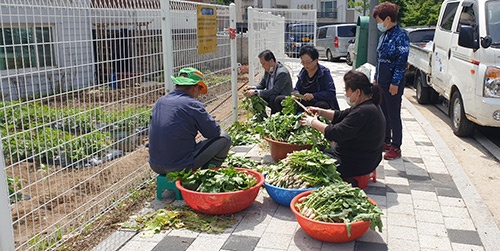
x,y
392,52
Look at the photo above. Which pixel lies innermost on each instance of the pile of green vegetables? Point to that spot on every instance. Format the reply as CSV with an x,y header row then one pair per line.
x,y
304,169
232,160
340,203
287,128
214,180
243,133
256,106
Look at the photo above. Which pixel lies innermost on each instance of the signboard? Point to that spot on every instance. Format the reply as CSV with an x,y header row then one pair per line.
x,y
207,29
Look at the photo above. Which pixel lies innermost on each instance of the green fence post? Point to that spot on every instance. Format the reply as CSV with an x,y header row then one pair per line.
x,y
361,41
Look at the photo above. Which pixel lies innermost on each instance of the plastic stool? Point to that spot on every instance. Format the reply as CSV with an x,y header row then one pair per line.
x,y
363,179
163,184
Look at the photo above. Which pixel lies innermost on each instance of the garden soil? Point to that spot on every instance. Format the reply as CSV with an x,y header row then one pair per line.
x,y
54,188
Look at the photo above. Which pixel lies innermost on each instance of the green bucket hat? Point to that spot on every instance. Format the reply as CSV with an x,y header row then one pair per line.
x,y
190,76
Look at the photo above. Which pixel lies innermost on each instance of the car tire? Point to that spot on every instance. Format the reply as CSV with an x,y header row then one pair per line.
x,y
348,59
423,92
329,55
461,126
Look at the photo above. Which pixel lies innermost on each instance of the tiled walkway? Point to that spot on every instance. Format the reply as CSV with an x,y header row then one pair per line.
x,y
428,203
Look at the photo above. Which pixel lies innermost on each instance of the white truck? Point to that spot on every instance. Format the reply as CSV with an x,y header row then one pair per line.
x,y
462,64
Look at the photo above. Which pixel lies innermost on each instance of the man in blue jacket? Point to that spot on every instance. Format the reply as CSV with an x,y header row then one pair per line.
x,y
177,123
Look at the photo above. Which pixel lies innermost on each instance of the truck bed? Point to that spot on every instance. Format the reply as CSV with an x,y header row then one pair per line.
x,y
420,56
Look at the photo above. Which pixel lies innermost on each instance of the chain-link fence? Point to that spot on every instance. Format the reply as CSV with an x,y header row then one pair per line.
x,y
78,80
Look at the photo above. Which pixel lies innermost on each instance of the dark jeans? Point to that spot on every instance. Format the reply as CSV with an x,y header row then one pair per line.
x,y
274,103
210,152
391,107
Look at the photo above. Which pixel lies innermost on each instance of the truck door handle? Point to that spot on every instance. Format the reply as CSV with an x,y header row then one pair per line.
x,y
449,54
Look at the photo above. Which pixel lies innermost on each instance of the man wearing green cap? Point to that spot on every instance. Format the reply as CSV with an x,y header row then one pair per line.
x,y
178,120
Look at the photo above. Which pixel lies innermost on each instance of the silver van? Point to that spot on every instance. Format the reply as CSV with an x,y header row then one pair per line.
x,y
332,40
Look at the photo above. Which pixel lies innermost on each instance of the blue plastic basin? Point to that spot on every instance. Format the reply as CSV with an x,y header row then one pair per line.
x,y
284,196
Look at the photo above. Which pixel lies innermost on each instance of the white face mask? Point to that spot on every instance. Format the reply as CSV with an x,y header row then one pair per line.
x,y
349,102
381,27
271,69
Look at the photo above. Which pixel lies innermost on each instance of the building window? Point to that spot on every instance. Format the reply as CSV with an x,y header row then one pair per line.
x,y
25,47
328,6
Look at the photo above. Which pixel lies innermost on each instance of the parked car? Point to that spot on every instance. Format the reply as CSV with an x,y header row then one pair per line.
x,y
332,40
351,52
419,36
296,36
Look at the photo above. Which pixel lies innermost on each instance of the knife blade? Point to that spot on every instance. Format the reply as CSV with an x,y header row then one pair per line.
x,y
303,107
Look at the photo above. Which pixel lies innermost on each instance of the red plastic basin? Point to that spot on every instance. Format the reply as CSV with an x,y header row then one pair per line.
x,y
327,231
279,150
222,203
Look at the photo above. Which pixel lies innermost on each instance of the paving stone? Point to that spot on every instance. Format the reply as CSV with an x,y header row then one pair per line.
x,y
275,241
413,160
426,205
115,240
451,201
459,223
394,173
397,219
406,245
448,192
394,198
281,226
396,181
422,186
465,237
466,247
398,189
362,246
401,232
429,216
423,143
349,246
458,212
174,243
424,195
303,240
432,242
240,243
434,229
207,242
375,190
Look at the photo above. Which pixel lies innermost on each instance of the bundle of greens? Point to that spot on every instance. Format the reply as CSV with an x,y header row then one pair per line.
x,y
304,169
256,105
214,180
243,133
287,128
340,203
239,161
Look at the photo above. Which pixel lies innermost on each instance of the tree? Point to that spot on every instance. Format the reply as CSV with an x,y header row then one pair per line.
x,y
420,12
362,7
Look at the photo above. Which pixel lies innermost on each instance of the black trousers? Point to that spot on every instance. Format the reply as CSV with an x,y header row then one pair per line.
x,y
391,107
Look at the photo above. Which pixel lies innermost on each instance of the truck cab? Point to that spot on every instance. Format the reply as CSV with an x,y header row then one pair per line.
x,y
465,63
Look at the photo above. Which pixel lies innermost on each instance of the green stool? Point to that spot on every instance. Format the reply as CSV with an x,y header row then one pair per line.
x,y
163,184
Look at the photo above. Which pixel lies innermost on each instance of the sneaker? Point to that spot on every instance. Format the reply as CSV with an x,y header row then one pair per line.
x,y
387,147
393,153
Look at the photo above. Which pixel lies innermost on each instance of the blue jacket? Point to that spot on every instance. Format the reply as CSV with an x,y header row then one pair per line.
x,y
392,51
175,122
323,88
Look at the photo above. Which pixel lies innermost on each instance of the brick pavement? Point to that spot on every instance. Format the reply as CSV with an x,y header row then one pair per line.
x,y
427,199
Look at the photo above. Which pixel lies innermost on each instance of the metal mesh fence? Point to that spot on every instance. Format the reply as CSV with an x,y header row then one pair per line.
x,y
283,31
78,80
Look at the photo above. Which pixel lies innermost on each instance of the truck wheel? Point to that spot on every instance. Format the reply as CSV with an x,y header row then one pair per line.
x,y
460,125
329,55
348,59
423,92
